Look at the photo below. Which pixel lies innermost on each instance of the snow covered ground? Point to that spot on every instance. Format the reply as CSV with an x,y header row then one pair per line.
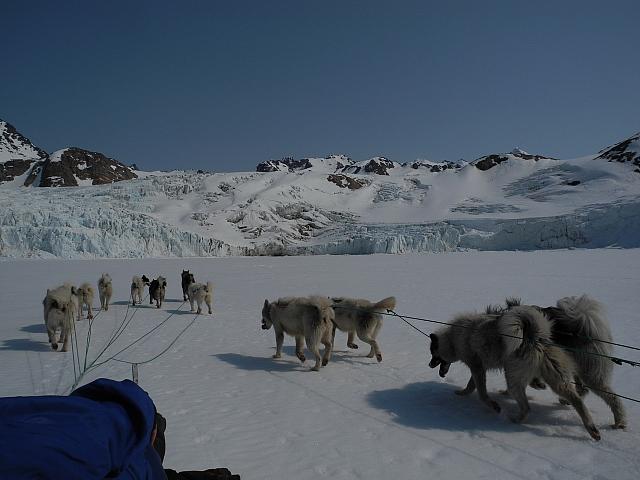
x,y
228,403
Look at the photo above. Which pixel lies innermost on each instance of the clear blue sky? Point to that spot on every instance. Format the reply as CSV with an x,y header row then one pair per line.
x,y
224,85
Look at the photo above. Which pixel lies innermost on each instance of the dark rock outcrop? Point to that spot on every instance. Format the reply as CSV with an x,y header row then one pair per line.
x,y
627,151
286,164
344,181
490,161
435,167
377,165
71,165
17,154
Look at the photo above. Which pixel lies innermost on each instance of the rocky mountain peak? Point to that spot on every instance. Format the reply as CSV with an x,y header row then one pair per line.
x,y
489,161
626,151
18,156
75,166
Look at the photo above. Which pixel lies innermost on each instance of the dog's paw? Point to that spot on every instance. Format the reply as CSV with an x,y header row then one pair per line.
x,y
371,354
504,393
564,401
324,362
516,418
352,345
593,431
301,357
315,369
54,346
379,357
619,426
276,355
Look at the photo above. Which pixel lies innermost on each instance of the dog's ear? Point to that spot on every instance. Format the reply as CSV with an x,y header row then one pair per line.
x,y
434,340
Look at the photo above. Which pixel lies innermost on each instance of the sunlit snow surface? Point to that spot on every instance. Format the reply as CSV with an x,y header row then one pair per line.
x,y
228,403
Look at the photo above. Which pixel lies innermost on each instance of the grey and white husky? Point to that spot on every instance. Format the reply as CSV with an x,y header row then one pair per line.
x,y
361,317
575,321
518,342
85,297
137,288
105,291
308,319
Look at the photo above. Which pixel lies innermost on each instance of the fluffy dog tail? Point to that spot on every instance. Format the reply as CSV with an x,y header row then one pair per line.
x,y
583,316
388,303
524,327
209,291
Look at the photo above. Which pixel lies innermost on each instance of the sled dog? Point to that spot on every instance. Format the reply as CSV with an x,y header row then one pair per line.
x,y
187,279
574,322
518,342
60,309
85,297
307,319
137,288
361,317
157,290
200,293
105,290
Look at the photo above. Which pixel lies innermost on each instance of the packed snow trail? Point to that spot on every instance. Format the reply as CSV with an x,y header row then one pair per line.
x,y
228,403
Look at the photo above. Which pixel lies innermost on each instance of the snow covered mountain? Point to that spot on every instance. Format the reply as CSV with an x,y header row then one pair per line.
x,y
627,151
18,155
335,205
22,163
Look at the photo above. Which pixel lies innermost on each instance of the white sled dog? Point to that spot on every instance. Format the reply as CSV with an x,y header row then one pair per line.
x,y
575,321
60,309
157,289
307,319
105,290
518,342
200,293
361,317
85,297
137,288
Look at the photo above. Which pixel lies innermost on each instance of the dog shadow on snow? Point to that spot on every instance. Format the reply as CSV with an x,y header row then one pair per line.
x,y
34,328
434,405
24,344
288,363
